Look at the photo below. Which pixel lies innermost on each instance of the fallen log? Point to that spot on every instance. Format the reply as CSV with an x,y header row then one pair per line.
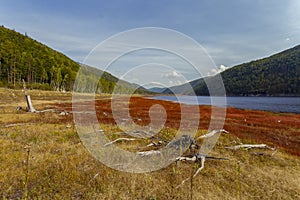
x,y
250,146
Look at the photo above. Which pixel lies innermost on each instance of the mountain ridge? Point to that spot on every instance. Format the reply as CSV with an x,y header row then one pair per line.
x,y
275,75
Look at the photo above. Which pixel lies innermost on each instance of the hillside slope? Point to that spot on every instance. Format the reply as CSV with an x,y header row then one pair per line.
x,y
277,75
22,57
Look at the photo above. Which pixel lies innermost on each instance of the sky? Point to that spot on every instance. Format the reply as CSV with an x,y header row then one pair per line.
x,y
229,32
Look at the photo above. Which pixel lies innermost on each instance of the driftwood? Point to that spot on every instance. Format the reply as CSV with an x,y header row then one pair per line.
x,y
250,146
184,142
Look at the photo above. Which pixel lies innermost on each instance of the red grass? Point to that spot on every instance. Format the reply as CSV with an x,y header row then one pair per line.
x,y
276,129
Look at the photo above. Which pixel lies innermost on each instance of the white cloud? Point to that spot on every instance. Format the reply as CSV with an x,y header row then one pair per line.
x,y
172,75
215,71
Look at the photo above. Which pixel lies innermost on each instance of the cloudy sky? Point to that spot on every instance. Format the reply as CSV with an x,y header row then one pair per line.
x,y
231,32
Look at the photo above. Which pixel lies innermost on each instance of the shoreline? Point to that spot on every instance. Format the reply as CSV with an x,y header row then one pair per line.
x,y
233,104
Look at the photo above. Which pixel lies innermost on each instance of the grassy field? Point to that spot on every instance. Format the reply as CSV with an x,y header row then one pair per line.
x,y
42,157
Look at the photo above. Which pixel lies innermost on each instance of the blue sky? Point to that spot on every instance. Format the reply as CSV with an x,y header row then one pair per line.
x,y
232,32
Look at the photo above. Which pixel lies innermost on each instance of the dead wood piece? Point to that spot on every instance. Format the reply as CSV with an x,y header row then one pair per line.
x,y
184,158
212,133
197,157
148,153
30,107
250,146
201,161
153,144
18,124
200,158
47,110
120,139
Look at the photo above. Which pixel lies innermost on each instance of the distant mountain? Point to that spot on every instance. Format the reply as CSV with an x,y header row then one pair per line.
x,y
107,83
156,89
22,57
277,75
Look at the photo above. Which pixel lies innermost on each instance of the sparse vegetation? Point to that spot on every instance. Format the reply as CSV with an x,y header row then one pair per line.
x,y
58,166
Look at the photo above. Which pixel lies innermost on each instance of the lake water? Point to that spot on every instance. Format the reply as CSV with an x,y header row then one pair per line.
x,y
275,104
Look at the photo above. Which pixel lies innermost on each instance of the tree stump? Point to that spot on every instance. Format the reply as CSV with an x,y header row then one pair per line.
x,y
30,107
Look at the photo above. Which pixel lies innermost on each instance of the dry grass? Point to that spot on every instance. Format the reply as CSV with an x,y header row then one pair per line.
x,y
59,166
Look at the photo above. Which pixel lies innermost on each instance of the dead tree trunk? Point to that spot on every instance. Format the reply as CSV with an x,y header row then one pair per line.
x,y
30,107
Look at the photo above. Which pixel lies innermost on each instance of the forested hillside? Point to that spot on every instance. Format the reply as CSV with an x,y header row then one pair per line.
x,y
106,84
277,75
42,67
22,57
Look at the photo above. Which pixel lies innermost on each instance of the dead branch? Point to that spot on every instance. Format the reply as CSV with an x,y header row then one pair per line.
x,y
153,144
185,158
120,139
18,124
49,110
201,161
196,157
138,133
250,146
200,158
212,133
148,153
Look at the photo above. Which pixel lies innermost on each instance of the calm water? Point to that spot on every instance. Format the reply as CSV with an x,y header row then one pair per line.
x,y
275,104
